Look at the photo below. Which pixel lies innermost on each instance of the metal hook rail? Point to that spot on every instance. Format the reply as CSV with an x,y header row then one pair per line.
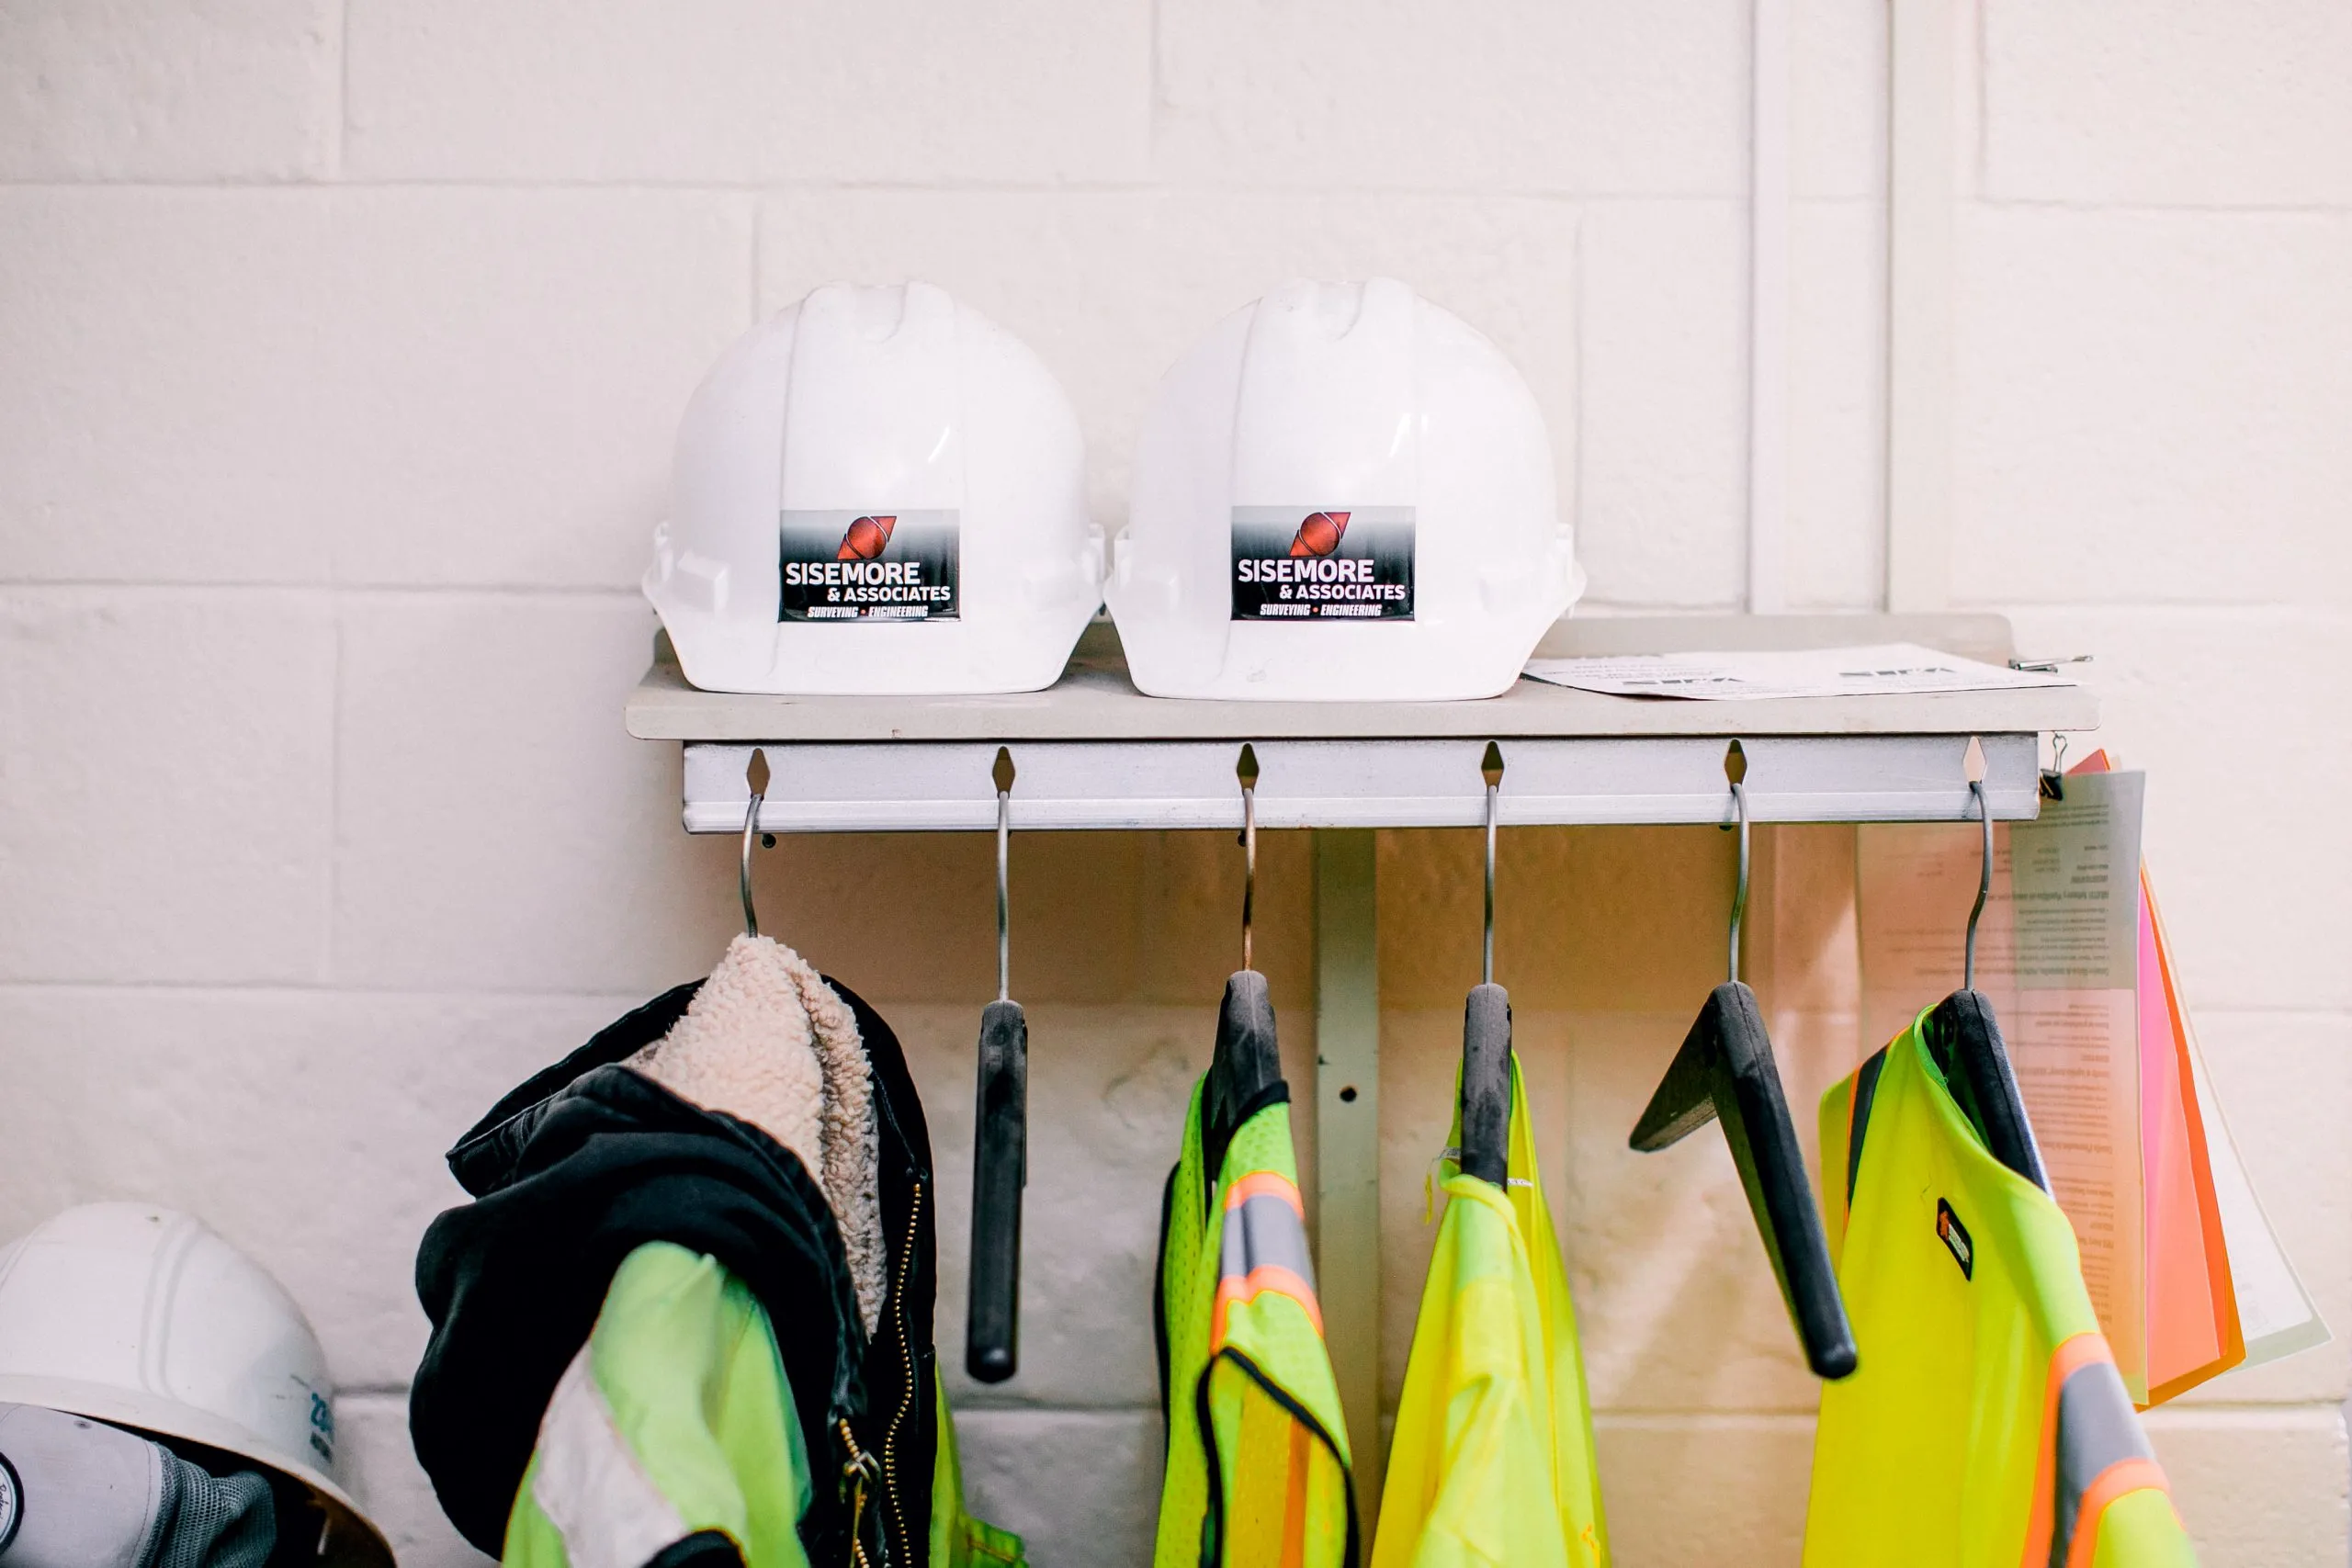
x,y
1096,754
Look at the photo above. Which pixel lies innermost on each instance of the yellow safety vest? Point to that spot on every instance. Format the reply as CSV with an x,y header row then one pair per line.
x,y
1492,1461
675,1422
1987,1427
1257,1472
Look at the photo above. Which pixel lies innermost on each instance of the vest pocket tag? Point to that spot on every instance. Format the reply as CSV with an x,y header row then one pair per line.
x,y
1955,1236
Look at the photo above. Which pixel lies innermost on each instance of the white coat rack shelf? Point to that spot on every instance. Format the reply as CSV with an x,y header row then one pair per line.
x,y
1093,752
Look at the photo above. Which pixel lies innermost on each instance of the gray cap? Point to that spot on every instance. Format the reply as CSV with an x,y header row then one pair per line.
x,y
79,1493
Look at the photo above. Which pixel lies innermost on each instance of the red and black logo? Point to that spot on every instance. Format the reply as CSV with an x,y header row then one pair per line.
x,y
839,565
1320,534
866,538
1292,563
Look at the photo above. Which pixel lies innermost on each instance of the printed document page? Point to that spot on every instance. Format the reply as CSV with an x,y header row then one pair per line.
x,y
1877,671
2057,953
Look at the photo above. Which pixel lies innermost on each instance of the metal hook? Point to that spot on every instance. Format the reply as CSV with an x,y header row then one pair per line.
x,y
1003,773
1974,764
1735,770
1246,770
756,775
1490,767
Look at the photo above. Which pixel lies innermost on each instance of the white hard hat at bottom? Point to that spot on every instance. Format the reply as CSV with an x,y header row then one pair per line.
x,y
144,1318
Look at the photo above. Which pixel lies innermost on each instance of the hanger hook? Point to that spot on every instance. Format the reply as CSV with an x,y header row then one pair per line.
x,y
756,775
1490,767
1973,765
1735,770
1246,770
1003,773
1985,867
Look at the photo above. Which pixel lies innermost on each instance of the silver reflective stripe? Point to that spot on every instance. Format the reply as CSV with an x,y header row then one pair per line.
x,y
591,1484
1264,1230
2096,1430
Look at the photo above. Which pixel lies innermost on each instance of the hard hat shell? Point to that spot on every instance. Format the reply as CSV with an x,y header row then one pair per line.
x,y
1342,492
144,1318
878,491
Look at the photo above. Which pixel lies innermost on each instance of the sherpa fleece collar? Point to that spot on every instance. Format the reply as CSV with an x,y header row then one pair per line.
x,y
767,1042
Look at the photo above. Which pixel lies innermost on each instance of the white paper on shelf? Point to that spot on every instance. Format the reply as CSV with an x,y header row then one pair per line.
x,y
2057,952
1882,670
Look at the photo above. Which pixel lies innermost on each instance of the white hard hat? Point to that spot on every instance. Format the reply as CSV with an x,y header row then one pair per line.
x,y
142,1318
879,491
1342,492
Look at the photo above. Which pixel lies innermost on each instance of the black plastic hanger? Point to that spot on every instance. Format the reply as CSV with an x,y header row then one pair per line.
x,y
1246,1067
1965,1038
1485,1151
1724,1070
999,1138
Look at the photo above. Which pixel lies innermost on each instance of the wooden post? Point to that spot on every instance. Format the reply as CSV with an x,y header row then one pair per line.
x,y
1346,1138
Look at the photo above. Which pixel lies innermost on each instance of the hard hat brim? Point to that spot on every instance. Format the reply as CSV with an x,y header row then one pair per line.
x,y
352,1540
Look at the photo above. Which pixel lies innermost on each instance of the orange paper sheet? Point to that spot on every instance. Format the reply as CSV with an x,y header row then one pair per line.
x,y
2192,1321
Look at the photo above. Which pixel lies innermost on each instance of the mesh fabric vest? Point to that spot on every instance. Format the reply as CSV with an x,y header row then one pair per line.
x,y
1257,1472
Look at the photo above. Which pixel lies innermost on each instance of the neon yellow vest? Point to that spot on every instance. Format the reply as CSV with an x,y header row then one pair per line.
x,y
1492,1459
1257,1472
675,1419
1987,1427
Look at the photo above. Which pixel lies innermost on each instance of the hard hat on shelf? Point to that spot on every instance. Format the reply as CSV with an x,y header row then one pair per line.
x,y
878,491
1342,492
144,1318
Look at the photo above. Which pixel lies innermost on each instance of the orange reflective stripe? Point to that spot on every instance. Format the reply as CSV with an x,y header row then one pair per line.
x,y
1265,1184
2124,1476
2079,1351
1295,1505
1250,1286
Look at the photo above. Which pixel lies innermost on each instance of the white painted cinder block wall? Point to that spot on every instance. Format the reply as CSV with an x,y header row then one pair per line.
x,y
340,345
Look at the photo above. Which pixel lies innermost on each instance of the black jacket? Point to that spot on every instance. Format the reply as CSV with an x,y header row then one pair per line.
x,y
586,1161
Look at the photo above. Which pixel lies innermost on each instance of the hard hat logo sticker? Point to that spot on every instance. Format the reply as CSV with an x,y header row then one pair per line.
x,y
1300,563
843,566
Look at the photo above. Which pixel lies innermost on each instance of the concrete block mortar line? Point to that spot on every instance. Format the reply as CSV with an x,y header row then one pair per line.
x,y
373,1391
955,186
263,991
1717,1419
1975,93
2137,207
341,91
2260,612
335,797
1581,293
2317,1411
334,594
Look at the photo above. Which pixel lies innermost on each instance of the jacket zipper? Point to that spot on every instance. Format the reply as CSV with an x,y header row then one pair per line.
x,y
856,1476
905,1360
